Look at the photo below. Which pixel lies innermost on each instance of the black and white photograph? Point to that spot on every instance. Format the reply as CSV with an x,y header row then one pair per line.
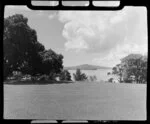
x,y
75,65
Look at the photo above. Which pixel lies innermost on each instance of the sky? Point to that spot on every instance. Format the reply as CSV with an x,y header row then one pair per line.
x,y
89,37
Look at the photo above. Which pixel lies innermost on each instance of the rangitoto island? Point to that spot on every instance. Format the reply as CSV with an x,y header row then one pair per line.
x,y
86,67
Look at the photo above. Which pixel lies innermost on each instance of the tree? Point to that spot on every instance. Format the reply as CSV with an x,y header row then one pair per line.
x,y
118,71
135,68
23,53
95,78
51,62
79,76
110,80
65,76
109,73
132,68
20,44
92,78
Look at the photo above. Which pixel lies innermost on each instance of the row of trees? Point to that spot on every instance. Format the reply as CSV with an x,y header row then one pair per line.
x,y
63,76
133,68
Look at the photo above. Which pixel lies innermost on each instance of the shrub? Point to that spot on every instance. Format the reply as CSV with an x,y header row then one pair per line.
x,y
33,78
79,76
110,80
17,75
43,78
65,76
52,76
92,78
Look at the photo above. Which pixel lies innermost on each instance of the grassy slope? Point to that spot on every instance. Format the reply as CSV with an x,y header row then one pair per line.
x,y
100,101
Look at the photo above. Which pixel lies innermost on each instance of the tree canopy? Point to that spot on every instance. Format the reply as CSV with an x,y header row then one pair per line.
x,y
22,51
132,68
135,68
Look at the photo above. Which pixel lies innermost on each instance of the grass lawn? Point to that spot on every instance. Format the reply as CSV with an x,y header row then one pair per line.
x,y
82,101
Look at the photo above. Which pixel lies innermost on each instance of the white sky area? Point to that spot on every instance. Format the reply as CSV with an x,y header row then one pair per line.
x,y
89,37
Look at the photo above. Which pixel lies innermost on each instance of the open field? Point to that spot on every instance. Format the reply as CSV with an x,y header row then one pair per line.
x,y
86,101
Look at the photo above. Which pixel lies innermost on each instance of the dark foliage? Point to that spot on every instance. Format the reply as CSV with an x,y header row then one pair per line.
x,y
65,76
23,53
79,76
133,68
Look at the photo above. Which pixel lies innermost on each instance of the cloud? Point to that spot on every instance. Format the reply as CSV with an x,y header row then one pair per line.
x,y
105,32
53,15
115,55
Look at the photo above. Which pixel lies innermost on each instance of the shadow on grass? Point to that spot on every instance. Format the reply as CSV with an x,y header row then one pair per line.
x,y
29,82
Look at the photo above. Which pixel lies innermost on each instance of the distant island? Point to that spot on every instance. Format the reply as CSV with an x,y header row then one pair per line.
x,y
86,67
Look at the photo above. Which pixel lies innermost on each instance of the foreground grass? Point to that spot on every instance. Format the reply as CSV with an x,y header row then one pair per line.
x,y
80,100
